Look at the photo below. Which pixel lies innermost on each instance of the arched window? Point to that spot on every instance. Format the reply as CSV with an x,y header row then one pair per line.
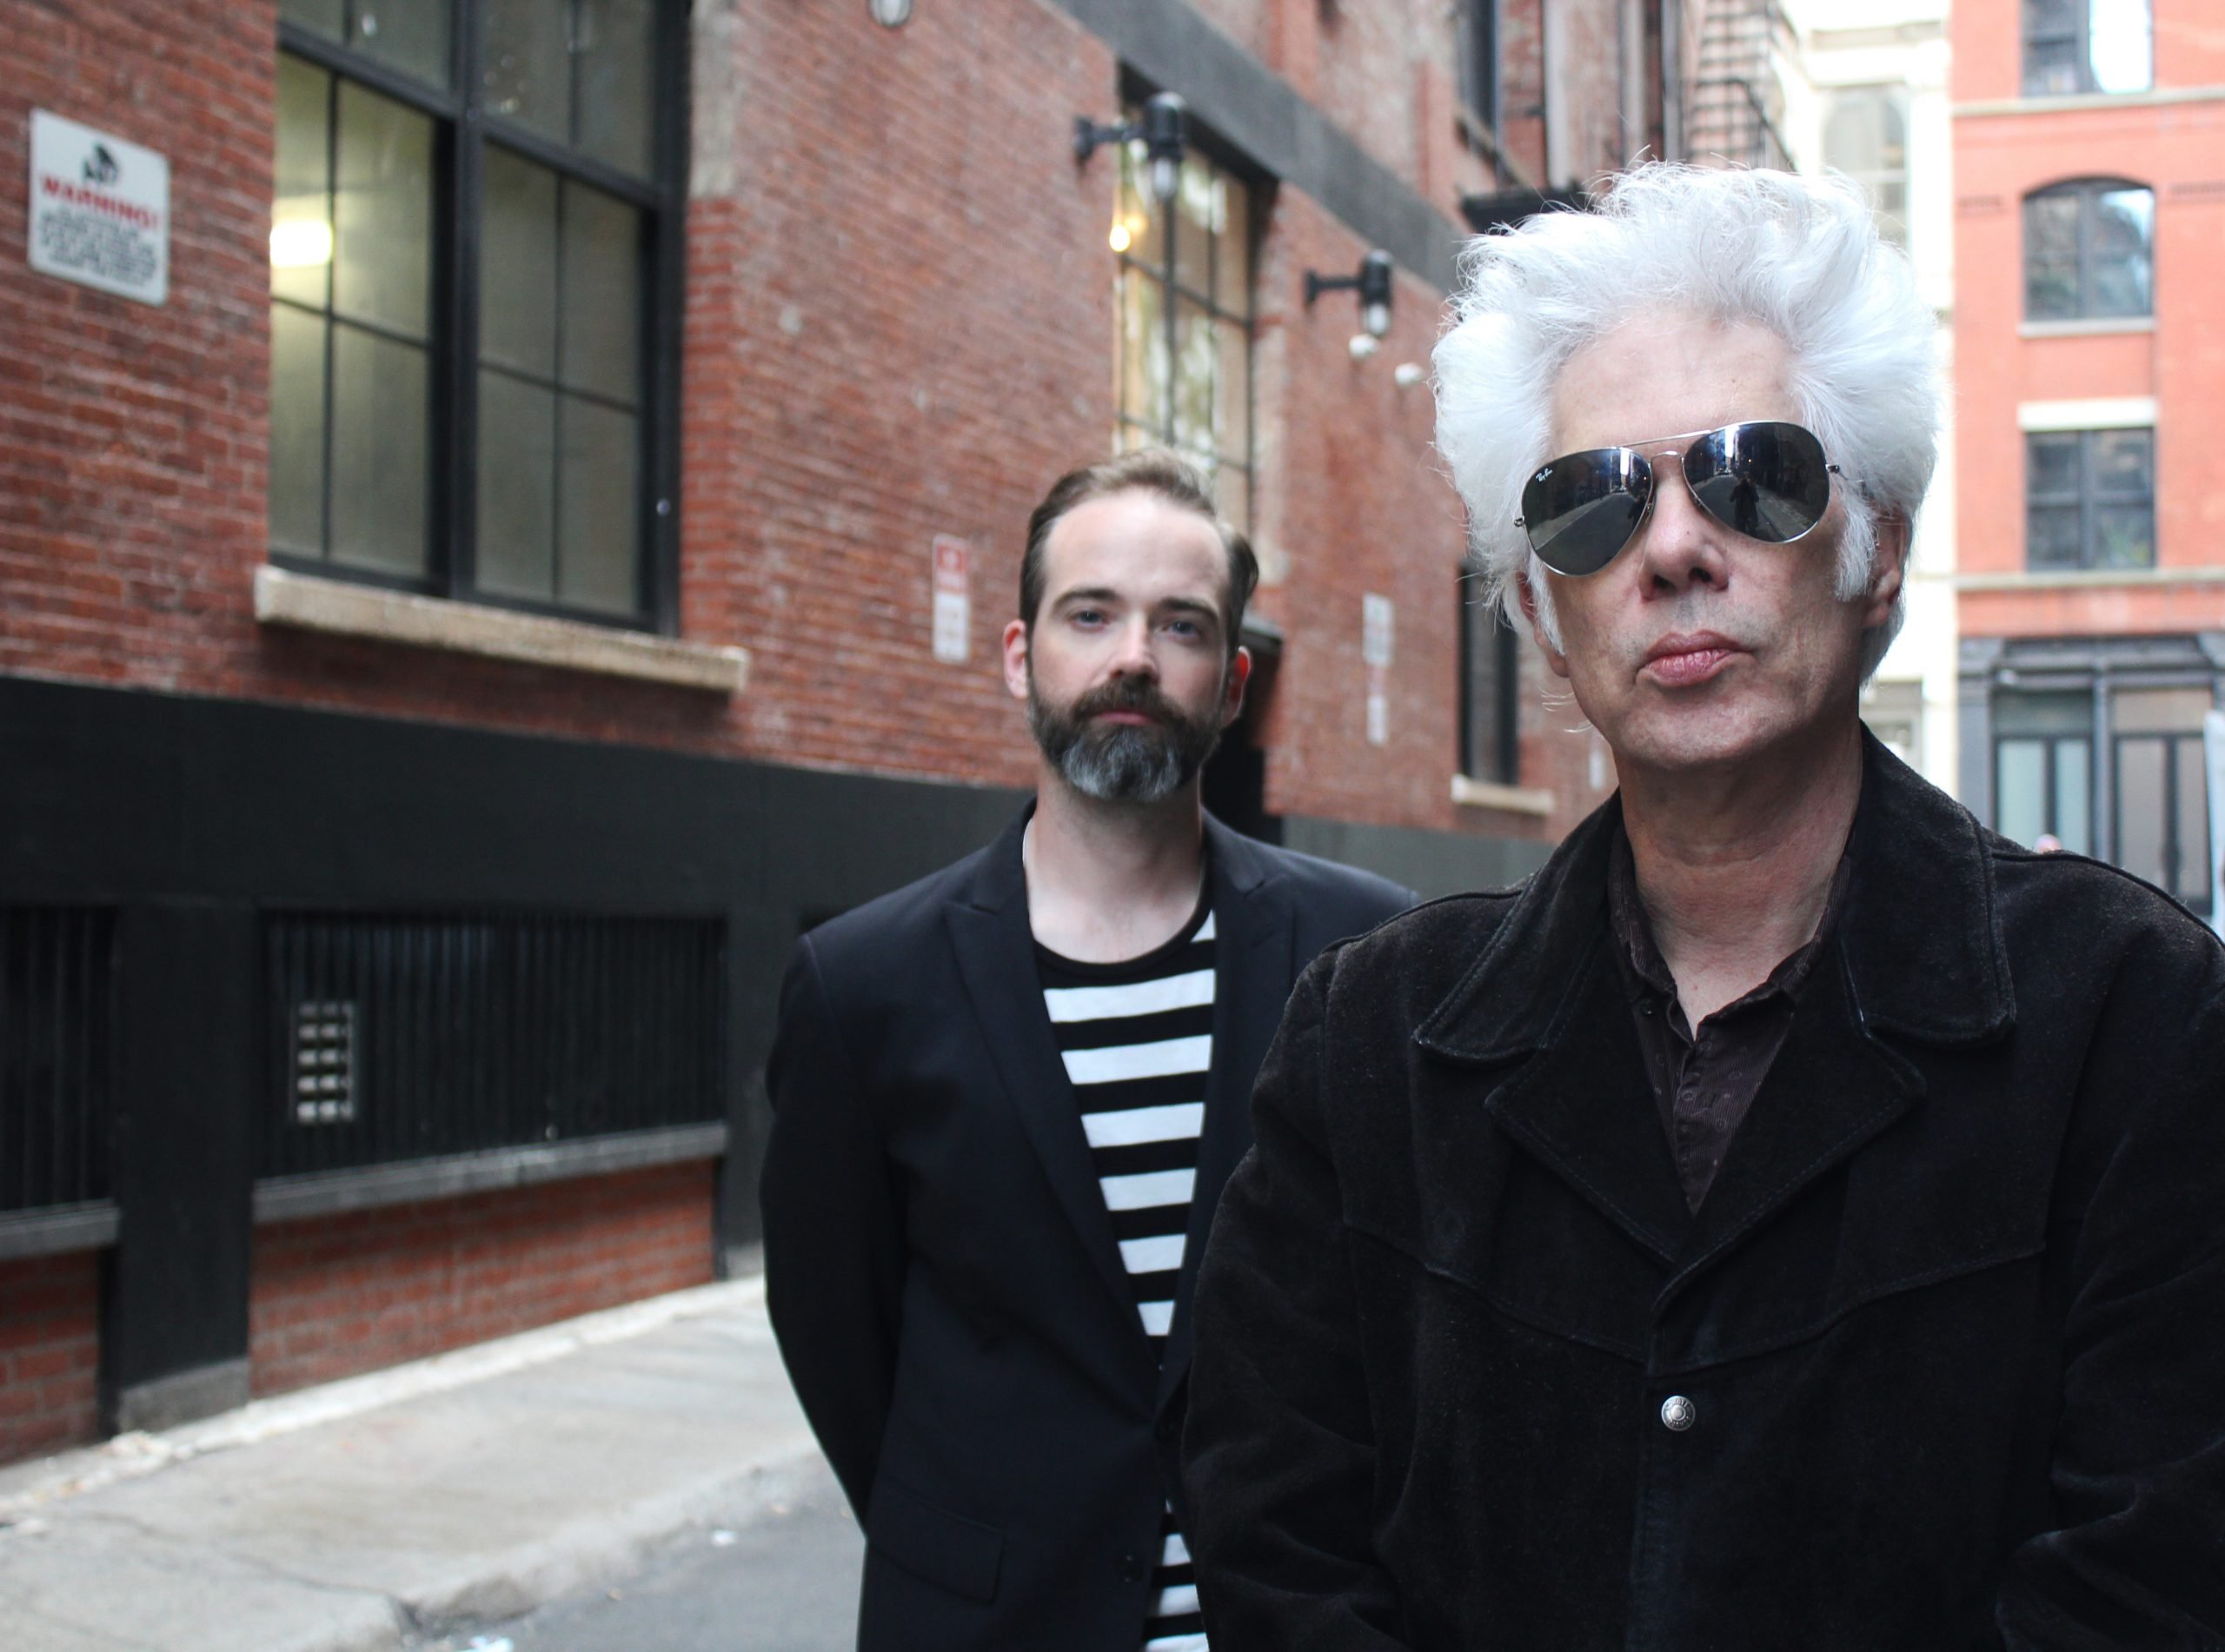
x,y
1866,138
2089,251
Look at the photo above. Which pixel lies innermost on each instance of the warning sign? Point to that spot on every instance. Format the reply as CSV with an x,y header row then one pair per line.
x,y
952,590
100,210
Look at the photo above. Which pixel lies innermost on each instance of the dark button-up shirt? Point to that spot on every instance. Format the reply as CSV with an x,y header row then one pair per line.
x,y
1705,1078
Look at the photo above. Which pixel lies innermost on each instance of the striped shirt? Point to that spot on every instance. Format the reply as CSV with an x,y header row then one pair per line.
x,y
1137,1038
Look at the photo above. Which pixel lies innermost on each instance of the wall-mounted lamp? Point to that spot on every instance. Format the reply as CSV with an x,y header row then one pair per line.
x,y
1373,285
890,14
1164,132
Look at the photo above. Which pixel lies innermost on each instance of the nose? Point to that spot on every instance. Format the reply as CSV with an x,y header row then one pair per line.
x,y
1680,545
1133,655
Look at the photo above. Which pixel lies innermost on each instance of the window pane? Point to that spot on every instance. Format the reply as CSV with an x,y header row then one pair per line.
x,y
2073,796
1143,369
601,286
1854,138
2124,463
529,73
326,18
2124,536
2123,233
2193,881
2051,466
2051,536
1196,357
517,290
1232,410
2043,714
297,431
410,35
2020,804
2140,807
1138,214
2052,19
1196,218
2051,255
2123,56
616,53
2158,711
382,248
1232,495
300,224
2050,68
1233,257
517,489
597,520
378,453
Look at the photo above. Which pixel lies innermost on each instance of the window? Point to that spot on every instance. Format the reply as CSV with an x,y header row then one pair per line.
x,y
2044,771
1184,303
2089,499
1476,28
2163,798
2073,46
470,374
2089,251
1866,138
1491,667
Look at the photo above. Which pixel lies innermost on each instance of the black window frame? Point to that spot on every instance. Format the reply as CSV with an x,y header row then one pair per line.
x,y
2177,857
462,129
2089,498
1491,746
2081,37
2088,193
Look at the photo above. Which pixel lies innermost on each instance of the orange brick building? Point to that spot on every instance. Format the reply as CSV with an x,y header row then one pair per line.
x,y
2089,160
471,576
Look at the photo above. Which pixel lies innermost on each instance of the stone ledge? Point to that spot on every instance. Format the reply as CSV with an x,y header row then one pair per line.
x,y
1489,794
340,608
57,1230
287,1198
2088,579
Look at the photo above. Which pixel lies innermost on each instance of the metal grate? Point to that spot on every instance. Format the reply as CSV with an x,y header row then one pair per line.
x,y
401,1038
57,1055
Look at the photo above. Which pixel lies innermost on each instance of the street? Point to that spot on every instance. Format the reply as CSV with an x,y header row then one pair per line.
x,y
786,1580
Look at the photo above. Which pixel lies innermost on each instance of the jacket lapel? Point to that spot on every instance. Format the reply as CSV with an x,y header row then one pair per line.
x,y
1257,932
996,961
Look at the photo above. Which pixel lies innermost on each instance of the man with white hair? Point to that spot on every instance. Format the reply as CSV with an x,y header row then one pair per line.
x,y
1792,1219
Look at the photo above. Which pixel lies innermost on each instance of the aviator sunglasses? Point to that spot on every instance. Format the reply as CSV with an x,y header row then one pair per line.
x,y
1767,479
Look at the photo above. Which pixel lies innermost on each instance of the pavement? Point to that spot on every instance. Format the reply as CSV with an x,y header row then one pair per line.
x,y
401,1508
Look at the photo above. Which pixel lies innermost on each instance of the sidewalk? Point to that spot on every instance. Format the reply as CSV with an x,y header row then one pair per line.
x,y
388,1509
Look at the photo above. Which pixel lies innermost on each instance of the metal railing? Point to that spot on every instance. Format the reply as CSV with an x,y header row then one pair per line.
x,y
58,1054
415,1037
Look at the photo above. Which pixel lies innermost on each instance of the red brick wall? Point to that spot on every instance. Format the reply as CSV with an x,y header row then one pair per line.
x,y
335,1295
899,324
50,1352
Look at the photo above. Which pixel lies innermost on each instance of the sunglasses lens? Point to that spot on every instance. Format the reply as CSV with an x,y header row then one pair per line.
x,y
1766,480
1581,509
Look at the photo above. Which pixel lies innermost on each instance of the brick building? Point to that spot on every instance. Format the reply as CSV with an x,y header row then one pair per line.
x,y
539,541
2090,159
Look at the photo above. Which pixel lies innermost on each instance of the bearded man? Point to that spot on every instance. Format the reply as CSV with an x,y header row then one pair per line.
x,y
1791,1219
1005,1099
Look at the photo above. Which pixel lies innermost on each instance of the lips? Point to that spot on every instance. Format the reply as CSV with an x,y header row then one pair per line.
x,y
1679,661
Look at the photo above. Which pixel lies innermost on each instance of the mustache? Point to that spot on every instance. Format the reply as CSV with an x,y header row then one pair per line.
x,y
1127,694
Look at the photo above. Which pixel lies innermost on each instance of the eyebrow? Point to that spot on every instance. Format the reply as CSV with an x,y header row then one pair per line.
x,y
1105,594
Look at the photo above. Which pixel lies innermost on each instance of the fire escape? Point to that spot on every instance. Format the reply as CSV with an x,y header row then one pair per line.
x,y
1735,105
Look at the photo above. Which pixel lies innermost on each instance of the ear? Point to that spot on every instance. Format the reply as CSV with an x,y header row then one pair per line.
x,y
1015,646
1888,569
1528,599
1239,673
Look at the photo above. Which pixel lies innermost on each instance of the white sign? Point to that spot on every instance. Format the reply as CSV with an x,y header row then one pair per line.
x,y
100,210
952,591
1377,619
2213,748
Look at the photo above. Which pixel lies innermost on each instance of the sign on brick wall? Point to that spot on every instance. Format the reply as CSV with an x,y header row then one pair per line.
x,y
1379,620
952,596
100,210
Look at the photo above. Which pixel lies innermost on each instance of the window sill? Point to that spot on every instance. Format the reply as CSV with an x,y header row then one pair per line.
x,y
55,1231
2081,579
306,603
2091,327
1490,794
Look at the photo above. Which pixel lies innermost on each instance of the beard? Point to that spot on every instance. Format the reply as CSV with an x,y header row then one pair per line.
x,y
1123,762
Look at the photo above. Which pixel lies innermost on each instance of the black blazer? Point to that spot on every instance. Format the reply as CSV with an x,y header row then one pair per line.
x,y
941,1271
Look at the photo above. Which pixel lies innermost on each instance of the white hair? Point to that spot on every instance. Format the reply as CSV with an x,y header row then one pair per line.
x,y
1799,255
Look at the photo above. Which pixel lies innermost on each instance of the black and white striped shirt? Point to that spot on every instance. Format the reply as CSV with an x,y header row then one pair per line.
x,y
1137,1038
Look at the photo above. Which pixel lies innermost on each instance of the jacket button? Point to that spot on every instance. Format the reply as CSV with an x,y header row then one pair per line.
x,y
1678,1413
1130,1568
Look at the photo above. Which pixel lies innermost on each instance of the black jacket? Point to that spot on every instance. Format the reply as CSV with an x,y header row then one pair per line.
x,y
941,1270
1949,1329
